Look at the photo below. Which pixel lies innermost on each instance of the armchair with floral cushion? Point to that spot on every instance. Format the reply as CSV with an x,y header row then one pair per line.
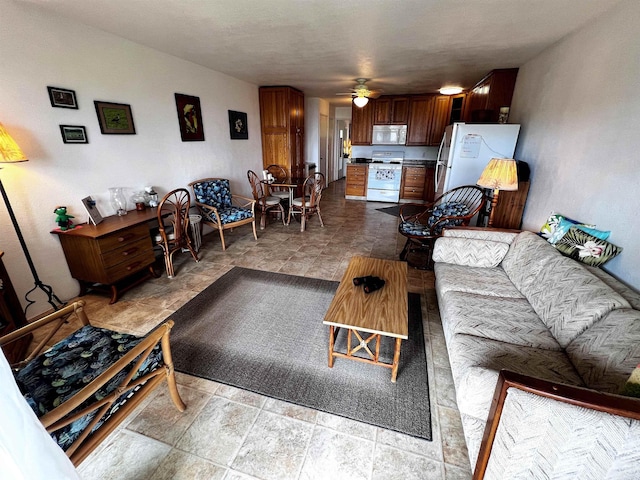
x,y
216,204
453,208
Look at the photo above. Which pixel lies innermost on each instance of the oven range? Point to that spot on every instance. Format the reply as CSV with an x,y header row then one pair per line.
x,y
385,173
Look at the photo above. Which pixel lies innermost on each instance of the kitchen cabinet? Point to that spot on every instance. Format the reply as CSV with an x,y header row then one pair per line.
x,y
11,317
417,183
491,93
420,114
391,110
361,124
282,128
356,183
510,207
439,119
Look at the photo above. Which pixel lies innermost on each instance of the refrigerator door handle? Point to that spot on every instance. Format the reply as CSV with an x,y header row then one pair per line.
x,y
438,161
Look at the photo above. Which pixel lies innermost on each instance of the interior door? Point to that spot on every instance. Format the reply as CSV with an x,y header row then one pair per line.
x,y
324,144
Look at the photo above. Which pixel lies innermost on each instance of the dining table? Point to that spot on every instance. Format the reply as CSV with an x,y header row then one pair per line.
x,y
293,184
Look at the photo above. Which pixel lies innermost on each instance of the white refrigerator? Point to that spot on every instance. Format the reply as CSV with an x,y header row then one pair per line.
x,y
467,148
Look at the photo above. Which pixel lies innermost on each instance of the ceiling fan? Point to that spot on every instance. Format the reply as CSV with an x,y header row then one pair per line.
x,y
361,93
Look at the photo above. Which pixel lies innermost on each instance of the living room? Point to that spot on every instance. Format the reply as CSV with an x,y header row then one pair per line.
x,y
577,102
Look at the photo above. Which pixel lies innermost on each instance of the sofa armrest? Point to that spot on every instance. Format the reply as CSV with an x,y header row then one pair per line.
x,y
470,252
482,233
539,426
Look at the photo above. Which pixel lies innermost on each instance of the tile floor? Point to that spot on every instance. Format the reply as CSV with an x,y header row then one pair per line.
x,y
231,434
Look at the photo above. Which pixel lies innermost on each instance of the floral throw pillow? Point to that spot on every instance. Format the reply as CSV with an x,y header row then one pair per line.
x,y
557,225
586,248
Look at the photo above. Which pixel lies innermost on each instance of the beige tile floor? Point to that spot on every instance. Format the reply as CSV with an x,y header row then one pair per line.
x,y
231,434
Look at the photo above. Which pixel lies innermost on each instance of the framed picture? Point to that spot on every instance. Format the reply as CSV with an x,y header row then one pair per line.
x,y
189,118
238,125
73,134
90,206
62,98
115,118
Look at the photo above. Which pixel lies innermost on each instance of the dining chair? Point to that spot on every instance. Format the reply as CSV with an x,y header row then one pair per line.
x,y
173,224
281,176
216,205
309,203
264,201
455,207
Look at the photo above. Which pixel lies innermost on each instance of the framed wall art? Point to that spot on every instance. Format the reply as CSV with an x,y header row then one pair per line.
x,y
238,125
115,118
62,98
73,134
189,118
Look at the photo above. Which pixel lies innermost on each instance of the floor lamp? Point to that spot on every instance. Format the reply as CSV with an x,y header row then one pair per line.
x,y
499,174
10,152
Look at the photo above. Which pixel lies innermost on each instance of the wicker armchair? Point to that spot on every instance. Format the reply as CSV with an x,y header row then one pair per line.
x,y
264,201
455,207
86,384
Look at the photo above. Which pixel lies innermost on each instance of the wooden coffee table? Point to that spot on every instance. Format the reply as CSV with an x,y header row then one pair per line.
x,y
380,313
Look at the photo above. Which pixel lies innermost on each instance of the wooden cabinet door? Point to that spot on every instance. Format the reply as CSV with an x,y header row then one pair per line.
x,y
440,118
382,111
297,133
356,184
361,124
413,181
399,110
510,207
419,121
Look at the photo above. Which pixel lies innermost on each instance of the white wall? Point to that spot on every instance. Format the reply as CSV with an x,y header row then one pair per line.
x,y
313,108
579,107
38,49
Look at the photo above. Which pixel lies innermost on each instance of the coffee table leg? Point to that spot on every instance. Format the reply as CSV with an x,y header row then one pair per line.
x,y
396,360
331,340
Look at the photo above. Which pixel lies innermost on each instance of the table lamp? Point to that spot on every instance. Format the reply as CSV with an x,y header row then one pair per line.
x,y
10,152
499,174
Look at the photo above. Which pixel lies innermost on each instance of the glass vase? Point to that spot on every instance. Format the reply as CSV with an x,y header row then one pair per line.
x,y
118,200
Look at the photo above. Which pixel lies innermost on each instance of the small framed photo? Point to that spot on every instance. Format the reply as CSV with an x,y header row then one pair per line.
x,y
90,206
115,118
62,98
238,125
189,118
73,134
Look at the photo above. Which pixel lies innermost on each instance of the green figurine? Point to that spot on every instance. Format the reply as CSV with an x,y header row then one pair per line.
x,y
63,220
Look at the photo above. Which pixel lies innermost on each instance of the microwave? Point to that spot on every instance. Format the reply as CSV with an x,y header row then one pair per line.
x,y
389,135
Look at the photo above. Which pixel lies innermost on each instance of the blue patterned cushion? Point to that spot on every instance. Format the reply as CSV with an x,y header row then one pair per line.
x,y
447,209
59,373
215,193
230,214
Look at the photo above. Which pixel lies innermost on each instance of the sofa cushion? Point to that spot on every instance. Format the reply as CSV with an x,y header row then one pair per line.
x,y
470,252
509,320
607,352
480,234
476,363
627,293
569,299
481,281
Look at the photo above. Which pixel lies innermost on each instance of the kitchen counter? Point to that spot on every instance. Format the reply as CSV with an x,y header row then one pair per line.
x,y
408,162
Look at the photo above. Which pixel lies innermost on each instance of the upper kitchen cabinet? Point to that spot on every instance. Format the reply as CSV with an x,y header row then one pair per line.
x,y
391,110
362,124
490,94
282,124
420,115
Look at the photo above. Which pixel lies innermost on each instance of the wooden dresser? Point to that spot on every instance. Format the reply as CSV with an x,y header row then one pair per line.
x,y
111,253
11,317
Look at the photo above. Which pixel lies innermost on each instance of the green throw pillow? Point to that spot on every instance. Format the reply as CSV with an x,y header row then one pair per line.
x,y
586,248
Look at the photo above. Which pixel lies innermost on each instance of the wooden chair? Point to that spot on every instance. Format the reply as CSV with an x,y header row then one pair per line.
x,y
558,431
86,384
215,202
455,207
264,201
173,223
281,176
309,203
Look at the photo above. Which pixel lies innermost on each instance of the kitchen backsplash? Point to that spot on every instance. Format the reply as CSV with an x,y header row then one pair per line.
x,y
410,153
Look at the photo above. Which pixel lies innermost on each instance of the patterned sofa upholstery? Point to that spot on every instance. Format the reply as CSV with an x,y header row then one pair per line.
x,y
511,301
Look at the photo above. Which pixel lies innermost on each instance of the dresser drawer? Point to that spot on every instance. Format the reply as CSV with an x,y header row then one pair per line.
x,y
130,266
413,193
124,237
127,251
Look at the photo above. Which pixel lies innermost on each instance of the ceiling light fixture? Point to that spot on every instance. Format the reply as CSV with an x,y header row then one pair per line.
x,y
360,101
450,90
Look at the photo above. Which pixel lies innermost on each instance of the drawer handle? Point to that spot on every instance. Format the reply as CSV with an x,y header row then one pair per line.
x,y
130,251
133,265
126,237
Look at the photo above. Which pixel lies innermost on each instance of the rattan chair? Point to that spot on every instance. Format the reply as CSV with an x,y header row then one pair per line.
x,y
281,176
215,202
455,207
264,202
173,224
309,203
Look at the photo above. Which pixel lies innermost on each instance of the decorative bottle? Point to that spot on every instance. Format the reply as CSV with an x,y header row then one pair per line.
x,y
118,200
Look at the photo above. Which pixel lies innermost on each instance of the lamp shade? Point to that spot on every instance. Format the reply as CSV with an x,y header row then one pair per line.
x,y
360,101
500,174
9,149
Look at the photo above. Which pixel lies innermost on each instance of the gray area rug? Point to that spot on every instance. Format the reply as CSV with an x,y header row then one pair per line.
x,y
408,210
263,332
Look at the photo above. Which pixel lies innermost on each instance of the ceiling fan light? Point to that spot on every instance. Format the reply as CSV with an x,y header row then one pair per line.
x,y
360,101
450,90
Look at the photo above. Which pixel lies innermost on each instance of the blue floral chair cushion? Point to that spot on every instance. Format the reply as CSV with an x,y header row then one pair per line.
x,y
229,214
215,193
446,209
63,370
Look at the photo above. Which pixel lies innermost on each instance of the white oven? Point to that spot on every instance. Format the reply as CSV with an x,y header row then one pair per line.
x,y
385,174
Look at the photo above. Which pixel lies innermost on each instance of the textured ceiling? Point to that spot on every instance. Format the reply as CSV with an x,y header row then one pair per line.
x,y
322,46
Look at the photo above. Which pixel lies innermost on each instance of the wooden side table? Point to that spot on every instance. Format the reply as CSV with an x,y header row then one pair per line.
x,y
11,317
116,253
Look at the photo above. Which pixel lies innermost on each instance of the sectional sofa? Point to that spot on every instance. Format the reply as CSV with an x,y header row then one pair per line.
x,y
510,300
